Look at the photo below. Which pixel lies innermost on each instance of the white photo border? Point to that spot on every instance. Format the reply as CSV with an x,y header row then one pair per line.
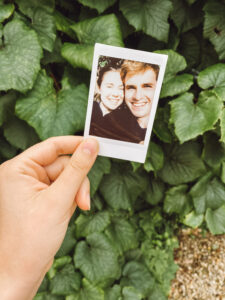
x,y
115,148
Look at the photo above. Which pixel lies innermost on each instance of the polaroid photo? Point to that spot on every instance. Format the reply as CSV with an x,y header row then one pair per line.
x,y
123,97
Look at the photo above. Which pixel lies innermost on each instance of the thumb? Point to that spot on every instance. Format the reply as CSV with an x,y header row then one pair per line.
x,y
66,186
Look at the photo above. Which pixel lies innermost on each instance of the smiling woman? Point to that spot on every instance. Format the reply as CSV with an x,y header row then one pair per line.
x,y
109,94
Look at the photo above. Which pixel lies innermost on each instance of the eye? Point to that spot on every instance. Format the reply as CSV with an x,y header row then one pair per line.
x,y
130,87
148,85
109,85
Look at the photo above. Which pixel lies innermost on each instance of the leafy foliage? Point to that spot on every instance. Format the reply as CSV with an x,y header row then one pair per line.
x,y
123,248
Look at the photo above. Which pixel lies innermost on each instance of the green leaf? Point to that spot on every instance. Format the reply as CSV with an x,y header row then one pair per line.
x,y
20,57
7,151
46,296
87,292
155,191
19,134
99,5
157,293
193,119
136,274
90,32
113,293
88,224
68,243
96,258
6,11
193,220
182,164
66,281
102,166
214,25
44,24
121,187
223,173
28,7
186,17
216,220
63,24
151,16
177,200
160,127
175,64
130,293
57,265
7,103
211,157
155,158
177,85
213,76
79,56
61,113
222,125
189,47
122,234
208,192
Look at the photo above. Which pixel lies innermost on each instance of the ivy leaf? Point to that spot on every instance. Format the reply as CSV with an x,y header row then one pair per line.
x,y
208,192
44,24
213,76
223,173
136,274
182,164
28,7
19,134
121,188
222,125
57,265
122,234
185,16
7,103
6,11
151,16
102,166
216,220
7,151
174,84
160,127
177,200
193,119
97,258
90,32
46,296
20,57
157,293
53,114
189,47
63,24
155,158
177,85
155,191
99,5
211,157
66,281
88,224
113,293
193,220
68,243
88,291
130,293
214,25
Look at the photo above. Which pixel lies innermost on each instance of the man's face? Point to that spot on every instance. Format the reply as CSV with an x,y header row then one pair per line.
x,y
139,92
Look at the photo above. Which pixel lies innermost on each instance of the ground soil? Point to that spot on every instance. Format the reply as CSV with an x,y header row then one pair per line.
x,y
201,260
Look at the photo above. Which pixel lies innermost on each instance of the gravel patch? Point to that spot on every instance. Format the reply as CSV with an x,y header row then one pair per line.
x,y
201,273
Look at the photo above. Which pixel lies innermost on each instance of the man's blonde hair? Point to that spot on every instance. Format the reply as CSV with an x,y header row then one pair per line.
x,y
130,66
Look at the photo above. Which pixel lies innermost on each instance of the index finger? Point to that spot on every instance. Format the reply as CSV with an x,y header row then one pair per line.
x,y
46,152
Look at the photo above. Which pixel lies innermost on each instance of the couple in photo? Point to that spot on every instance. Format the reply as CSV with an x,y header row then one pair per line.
x,y
123,99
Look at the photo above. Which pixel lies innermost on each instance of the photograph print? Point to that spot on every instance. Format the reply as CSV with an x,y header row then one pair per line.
x,y
121,97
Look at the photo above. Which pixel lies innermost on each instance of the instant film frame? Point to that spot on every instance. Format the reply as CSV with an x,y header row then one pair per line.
x,y
115,148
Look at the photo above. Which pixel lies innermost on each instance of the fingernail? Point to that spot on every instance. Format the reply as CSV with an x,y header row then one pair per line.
x,y
90,146
88,201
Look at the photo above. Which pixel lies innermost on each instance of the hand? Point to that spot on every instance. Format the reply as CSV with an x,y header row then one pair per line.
x,y
39,192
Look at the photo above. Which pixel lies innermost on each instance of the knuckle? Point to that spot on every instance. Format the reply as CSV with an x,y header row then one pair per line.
x,y
81,165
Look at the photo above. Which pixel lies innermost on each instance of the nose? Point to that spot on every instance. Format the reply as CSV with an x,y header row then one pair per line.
x,y
115,92
139,94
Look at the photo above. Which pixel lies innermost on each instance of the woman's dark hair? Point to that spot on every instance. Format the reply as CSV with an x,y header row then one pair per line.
x,y
106,64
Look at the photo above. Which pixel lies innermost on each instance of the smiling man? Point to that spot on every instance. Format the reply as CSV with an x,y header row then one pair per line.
x,y
140,82
130,120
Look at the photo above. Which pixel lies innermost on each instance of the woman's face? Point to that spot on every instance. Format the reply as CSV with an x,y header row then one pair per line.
x,y
111,90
